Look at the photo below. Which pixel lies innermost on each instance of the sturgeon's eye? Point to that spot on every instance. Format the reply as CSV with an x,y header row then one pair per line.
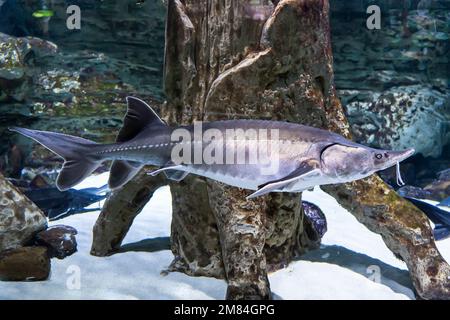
x,y
378,156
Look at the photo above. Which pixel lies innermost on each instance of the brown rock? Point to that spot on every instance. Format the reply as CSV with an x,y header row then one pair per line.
x,y
60,241
20,219
25,264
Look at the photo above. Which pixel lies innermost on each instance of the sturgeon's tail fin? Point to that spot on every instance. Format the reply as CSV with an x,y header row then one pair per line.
x,y
79,159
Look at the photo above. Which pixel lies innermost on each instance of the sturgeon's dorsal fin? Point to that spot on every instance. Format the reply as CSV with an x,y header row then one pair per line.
x,y
305,169
139,116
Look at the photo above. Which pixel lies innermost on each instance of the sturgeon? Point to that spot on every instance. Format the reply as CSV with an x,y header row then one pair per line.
x,y
301,157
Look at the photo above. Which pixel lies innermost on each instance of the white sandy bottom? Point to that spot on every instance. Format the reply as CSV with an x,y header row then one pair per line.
x,y
353,263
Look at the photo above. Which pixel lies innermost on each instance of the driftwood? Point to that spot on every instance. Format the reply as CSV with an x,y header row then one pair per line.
x,y
119,211
230,59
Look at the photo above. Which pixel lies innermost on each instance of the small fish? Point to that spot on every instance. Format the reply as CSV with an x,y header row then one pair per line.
x,y
43,14
302,156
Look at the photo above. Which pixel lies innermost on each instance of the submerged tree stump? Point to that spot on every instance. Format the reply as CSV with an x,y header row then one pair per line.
x,y
232,59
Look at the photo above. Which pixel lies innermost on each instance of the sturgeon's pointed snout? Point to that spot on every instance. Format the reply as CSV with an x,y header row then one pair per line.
x,y
399,156
391,158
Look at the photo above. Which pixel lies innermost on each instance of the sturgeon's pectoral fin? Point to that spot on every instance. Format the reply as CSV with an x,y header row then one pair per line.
x,y
304,170
121,172
176,175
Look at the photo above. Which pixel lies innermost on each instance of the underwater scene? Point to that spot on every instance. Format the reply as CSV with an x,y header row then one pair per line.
x,y
224,150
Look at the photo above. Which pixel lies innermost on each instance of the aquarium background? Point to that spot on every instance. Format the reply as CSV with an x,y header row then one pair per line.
x,y
394,82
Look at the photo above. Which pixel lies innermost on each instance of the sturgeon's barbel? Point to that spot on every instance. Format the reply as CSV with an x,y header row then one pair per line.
x,y
306,156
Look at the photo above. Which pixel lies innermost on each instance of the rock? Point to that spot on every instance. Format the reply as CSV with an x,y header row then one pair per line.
x,y
445,174
47,88
395,80
317,219
20,219
81,82
401,118
440,188
437,190
16,57
39,182
414,192
24,264
60,241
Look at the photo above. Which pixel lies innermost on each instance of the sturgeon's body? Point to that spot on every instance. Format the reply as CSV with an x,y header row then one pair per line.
x,y
301,157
